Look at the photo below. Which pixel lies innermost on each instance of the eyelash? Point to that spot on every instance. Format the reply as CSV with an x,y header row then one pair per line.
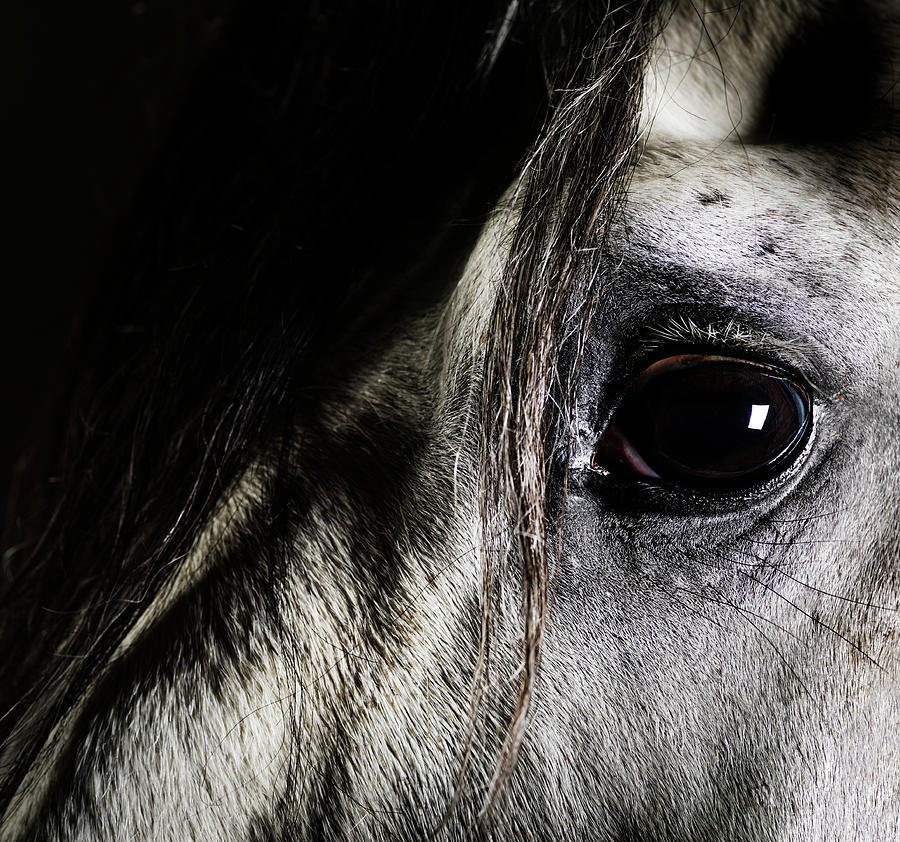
x,y
728,336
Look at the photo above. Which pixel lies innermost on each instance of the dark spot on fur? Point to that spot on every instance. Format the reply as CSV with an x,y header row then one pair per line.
x,y
714,197
788,168
767,247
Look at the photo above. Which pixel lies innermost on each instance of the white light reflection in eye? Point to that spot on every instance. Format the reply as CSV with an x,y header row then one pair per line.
x,y
758,413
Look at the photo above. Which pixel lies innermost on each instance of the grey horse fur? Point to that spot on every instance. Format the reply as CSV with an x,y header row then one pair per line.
x,y
710,666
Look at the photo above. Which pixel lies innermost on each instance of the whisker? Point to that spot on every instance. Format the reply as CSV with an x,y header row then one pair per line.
x,y
816,620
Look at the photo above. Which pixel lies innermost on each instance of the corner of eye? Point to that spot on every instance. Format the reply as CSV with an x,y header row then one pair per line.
x,y
581,463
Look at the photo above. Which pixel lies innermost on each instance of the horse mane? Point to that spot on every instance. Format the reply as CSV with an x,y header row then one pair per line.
x,y
321,147
573,182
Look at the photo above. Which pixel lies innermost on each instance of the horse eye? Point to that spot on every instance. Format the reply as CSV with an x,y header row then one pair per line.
x,y
707,420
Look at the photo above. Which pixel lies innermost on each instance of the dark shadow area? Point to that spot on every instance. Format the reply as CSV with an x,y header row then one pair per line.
x,y
829,82
87,94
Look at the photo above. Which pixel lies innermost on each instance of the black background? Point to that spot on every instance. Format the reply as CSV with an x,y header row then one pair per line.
x,y
88,92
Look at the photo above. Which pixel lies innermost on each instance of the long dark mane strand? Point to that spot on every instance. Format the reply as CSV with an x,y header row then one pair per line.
x,y
566,201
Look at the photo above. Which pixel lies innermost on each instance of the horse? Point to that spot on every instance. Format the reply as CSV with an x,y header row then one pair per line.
x,y
486,428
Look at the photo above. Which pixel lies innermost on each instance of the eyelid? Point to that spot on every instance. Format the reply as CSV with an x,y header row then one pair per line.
x,y
692,356
796,357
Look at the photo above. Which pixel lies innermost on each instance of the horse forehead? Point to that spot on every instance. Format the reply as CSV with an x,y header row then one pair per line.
x,y
813,222
805,217
712,188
